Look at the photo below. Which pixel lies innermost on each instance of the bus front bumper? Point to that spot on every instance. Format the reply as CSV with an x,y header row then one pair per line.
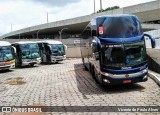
x,y
6,67
125,78
31,61
58,58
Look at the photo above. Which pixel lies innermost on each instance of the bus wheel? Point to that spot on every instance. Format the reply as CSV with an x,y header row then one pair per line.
x,y
90,68
94,75
83,61
32,64
17,65
85,68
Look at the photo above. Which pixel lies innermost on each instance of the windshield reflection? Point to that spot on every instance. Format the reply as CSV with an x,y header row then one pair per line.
x,y
124,55
30,51
6,53
58,49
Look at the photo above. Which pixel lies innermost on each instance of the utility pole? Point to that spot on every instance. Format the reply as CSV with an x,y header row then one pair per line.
x,y
11,27
100,5
94,6
47,17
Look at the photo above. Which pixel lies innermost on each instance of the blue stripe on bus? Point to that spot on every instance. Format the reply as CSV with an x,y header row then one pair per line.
x,y
122,40
128,71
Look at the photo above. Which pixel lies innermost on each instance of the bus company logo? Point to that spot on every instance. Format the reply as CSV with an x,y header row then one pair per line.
x,y
6,109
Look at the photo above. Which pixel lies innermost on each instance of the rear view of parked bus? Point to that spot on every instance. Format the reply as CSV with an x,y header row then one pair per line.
x,y
116,51
27,53
7,54
52,51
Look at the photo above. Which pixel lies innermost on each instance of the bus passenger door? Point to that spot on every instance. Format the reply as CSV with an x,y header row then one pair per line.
x,y
47,53
42,51
18,56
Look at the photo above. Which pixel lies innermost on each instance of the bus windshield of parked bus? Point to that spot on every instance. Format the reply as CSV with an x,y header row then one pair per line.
x,y
58,49
30,51
124,55
120,27
6,53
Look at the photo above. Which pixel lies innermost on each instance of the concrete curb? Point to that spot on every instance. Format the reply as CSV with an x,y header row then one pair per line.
x,y
154,76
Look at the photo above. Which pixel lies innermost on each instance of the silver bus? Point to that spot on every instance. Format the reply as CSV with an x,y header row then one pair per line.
x,y
28,53
52,51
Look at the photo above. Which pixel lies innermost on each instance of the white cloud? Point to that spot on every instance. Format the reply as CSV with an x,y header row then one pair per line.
x,y
25,13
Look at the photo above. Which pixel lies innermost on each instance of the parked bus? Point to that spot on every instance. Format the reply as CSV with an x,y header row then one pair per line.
x,y
115,52
28,53
52,51
7,56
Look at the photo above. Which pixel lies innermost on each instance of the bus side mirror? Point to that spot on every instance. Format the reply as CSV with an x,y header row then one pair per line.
x,y
65,46
153,42
49,47
13,50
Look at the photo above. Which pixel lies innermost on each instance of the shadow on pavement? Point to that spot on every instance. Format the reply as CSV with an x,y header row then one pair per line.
x,y
44,63
5,71
26,67
87,85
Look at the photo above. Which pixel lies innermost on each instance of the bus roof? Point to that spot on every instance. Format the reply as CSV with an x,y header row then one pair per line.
x,y
25,42
117,15
50,42
4,43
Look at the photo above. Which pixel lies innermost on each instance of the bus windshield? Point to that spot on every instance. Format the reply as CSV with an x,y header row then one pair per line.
x,y
30,51
120,27
58,49
6,53
124,55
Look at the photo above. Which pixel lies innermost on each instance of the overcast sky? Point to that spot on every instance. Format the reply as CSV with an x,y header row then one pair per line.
x,y
25,13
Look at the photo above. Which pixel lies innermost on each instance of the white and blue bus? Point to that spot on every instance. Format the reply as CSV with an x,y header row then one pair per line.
x,y
7,56
115,52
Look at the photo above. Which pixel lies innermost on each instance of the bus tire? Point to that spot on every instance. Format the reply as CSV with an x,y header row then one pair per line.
x,y
90,68
85,68
94,75
32,64
17,65
83,61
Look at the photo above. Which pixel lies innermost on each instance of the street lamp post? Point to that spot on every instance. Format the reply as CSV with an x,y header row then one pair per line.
x,y
11,27
60,33
100,5
47,17
94,6
37,33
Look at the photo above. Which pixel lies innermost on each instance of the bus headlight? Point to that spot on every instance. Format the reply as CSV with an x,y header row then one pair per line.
x,y
145,77
106,80
145,70
107,74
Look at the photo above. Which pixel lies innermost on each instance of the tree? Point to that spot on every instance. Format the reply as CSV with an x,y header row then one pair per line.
x,y
109,8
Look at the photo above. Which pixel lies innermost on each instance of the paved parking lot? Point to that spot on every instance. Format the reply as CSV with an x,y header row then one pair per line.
x,y
68,84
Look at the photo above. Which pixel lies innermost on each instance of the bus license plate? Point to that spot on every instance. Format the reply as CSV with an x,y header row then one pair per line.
x,y
1,63
127,81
